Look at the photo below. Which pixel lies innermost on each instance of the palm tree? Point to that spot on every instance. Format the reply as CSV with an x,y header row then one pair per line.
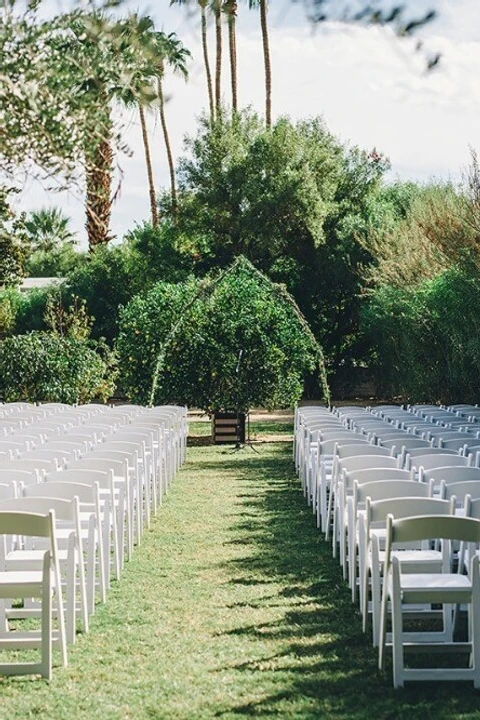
x,y
230,9
170,52
203,20
48,228
95,63
262,4
217,10
141,93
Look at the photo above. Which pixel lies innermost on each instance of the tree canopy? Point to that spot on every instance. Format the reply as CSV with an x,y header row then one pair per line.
x,y
232,340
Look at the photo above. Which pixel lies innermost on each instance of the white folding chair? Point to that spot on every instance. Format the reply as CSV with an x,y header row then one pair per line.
x,y
70,553
418,557
30,584
376,459
122,495
377,484
108,515
402,588
130,451
91,533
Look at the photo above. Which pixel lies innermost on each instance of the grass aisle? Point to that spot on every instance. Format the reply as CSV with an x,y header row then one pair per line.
x,y
231,607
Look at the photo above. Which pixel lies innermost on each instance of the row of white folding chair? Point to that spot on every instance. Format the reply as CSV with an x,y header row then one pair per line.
x,y
409,442
384,489
415,458
62,454
52,483
447,481
343,437
344,475
111,528
95,539
381,483
49,460
112,420
424,486
305,416
318,452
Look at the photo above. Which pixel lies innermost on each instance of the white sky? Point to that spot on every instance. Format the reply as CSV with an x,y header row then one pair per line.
x,y
370,87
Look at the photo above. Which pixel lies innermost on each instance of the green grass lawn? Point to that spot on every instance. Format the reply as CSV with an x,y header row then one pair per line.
x,y
231,607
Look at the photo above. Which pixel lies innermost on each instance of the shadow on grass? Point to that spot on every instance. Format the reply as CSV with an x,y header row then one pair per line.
x,y
339,678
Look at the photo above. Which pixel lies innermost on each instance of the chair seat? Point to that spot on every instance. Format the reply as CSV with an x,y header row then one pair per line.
x,y
415,558
20,559
23,581
429,587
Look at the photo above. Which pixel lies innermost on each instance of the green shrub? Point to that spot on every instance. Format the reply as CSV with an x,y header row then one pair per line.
x,y
426,340
153,255
238,339
41,366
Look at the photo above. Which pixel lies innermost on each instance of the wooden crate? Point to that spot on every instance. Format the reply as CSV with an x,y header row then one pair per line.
x,y
228,428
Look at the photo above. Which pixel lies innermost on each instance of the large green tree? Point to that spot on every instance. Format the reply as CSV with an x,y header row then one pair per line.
x,y
235,339
297,203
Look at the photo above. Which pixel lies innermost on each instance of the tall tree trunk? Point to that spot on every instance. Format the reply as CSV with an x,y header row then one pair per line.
x,y
148,163
218,57
211,105
231,10
173,190
98,168
266,60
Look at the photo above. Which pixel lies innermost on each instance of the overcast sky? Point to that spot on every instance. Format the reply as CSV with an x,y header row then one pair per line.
x,y
371,88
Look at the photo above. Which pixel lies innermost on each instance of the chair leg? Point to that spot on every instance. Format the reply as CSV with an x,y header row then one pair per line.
x,y
46,647
70,599
475,624
397,636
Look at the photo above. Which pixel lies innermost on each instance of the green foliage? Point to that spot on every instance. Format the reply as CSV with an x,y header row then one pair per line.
x,y
297,203
72,321
189,339
7,311
58,262
426,339
12,255
41,366
30,309
105,281
247,190
51,243
153,254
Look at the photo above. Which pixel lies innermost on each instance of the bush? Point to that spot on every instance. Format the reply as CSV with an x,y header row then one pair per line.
x,y
426,340
41,366
57,262
236,339
153,255
104,280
